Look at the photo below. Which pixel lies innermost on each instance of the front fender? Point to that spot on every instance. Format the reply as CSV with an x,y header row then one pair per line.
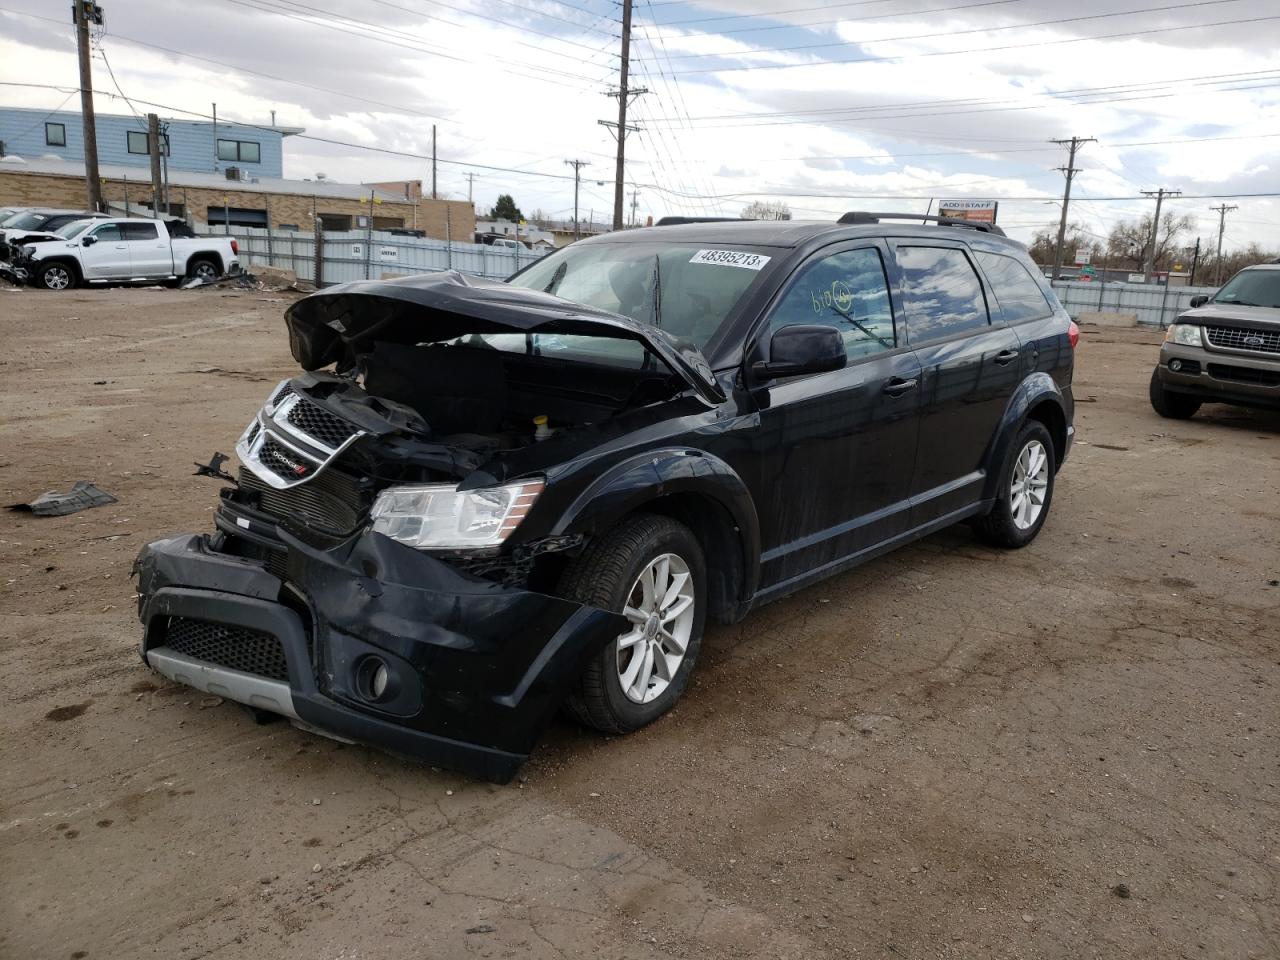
x,y
1034,390
628,486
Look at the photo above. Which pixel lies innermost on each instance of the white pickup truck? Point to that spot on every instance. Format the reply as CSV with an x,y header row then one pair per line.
x,y
124,250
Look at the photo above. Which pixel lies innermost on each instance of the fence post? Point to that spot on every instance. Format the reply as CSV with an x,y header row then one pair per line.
x,y
448,237
1163,297
319,267
271,257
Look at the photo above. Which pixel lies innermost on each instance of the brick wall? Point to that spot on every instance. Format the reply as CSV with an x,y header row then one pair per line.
x,y
22,188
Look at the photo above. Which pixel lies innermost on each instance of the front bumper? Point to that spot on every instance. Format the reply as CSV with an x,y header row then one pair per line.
x,y
1220,376
476,668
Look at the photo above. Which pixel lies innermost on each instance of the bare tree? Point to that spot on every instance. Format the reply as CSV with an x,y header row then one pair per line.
x,y
766,210
1074,242
1127,242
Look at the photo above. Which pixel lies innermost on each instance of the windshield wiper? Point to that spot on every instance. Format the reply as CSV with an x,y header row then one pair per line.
x,y
556,278
657,291
1238,303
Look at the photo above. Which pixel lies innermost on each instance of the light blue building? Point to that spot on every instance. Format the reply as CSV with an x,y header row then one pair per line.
x,y
199,146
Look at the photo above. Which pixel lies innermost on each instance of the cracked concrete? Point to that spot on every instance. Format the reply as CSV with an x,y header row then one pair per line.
x,y
949,752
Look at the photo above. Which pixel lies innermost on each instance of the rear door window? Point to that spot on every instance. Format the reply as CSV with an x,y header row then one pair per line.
x,y
941,293
1019,295
139,231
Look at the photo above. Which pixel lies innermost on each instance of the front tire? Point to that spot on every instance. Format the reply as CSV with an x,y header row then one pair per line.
x,y
56,276
1174,406
652,570
1026,490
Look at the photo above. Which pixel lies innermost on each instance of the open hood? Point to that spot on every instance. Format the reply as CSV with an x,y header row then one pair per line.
x,y
337,324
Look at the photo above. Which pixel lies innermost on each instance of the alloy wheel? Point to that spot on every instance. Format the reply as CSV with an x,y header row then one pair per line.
x,y
1029,485
205,271
57,278
660,610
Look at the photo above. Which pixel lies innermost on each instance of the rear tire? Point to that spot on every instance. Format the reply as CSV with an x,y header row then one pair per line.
x,y
1175,406
1026,490
203,269
56,276
616,692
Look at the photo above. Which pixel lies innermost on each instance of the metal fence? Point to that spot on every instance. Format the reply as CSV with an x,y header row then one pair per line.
x,y
1154,305
359,255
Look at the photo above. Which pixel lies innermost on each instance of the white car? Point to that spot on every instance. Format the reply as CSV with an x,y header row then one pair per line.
x,y
125,250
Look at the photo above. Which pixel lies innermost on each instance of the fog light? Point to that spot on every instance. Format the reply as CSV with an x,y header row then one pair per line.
x,y
379,681
374,681
1175,365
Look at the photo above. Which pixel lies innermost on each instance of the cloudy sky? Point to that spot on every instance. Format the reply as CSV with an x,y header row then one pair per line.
x,y
872,104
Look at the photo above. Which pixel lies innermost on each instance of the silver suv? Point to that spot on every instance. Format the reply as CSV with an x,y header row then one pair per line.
x,y
1225,349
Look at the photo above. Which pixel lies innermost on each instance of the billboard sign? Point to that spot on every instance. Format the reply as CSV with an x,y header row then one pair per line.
x,y
981,211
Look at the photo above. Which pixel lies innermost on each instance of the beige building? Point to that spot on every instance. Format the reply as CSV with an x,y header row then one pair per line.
x,y
211,199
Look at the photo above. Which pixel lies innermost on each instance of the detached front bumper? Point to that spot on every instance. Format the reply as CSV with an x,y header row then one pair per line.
x,y
473,669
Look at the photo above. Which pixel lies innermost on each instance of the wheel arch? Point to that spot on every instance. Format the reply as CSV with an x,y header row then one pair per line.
x,y
212,255
70,262
1036,398
697,489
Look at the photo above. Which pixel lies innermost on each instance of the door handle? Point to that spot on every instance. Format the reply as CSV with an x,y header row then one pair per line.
x,y
1005,356
897,386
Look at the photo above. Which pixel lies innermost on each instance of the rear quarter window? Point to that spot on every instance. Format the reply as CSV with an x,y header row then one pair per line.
x,y
1020,297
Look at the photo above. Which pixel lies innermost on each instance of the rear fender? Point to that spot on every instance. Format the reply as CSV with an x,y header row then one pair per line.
x,y
657,474
1034,390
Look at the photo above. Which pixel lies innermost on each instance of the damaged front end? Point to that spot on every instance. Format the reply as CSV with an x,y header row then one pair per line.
x,y
382,566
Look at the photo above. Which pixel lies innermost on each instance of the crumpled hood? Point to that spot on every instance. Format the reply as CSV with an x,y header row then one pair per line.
x,y
336,324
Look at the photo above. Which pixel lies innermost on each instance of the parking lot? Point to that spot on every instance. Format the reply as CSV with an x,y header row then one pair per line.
x,y
1066,751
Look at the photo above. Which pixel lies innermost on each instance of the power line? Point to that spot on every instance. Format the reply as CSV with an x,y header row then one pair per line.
x,y
959,33
974,50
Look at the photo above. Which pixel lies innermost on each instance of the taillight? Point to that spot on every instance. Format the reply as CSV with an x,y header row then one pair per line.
x,y
1073,334
235,248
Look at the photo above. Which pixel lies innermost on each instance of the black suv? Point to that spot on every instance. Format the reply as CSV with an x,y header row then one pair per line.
x,y
488,500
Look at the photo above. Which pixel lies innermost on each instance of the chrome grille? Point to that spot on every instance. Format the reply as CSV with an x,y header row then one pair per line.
x,y
285,389
236,648
331,504
320,424
1243,338
284,462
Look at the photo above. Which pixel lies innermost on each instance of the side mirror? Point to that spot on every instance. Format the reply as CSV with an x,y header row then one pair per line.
x,y
801,349
88,241
1199,301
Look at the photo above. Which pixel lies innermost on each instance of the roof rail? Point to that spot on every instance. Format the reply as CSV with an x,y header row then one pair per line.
x,y
676,221
865,217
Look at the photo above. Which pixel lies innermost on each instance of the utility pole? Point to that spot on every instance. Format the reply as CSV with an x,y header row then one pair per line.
x,y
153,148
577,178
433,161
625,95
471,180
83,13
1222,212
635,200
1195,262
1070,171
1150,266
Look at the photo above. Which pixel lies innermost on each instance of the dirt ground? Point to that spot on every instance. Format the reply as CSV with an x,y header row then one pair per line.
x,y
1068,751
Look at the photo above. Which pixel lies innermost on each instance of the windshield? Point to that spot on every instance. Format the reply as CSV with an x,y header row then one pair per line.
x,y
26,221
1252,288
697,285
73,229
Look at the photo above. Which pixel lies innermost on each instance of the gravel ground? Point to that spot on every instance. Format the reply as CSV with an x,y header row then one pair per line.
x,y
1066,751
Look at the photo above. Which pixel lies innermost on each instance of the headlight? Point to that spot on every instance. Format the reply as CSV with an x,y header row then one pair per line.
x,y
1187,334
28,251
436,516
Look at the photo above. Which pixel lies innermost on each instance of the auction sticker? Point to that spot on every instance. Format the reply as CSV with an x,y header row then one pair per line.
x,y
730,258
